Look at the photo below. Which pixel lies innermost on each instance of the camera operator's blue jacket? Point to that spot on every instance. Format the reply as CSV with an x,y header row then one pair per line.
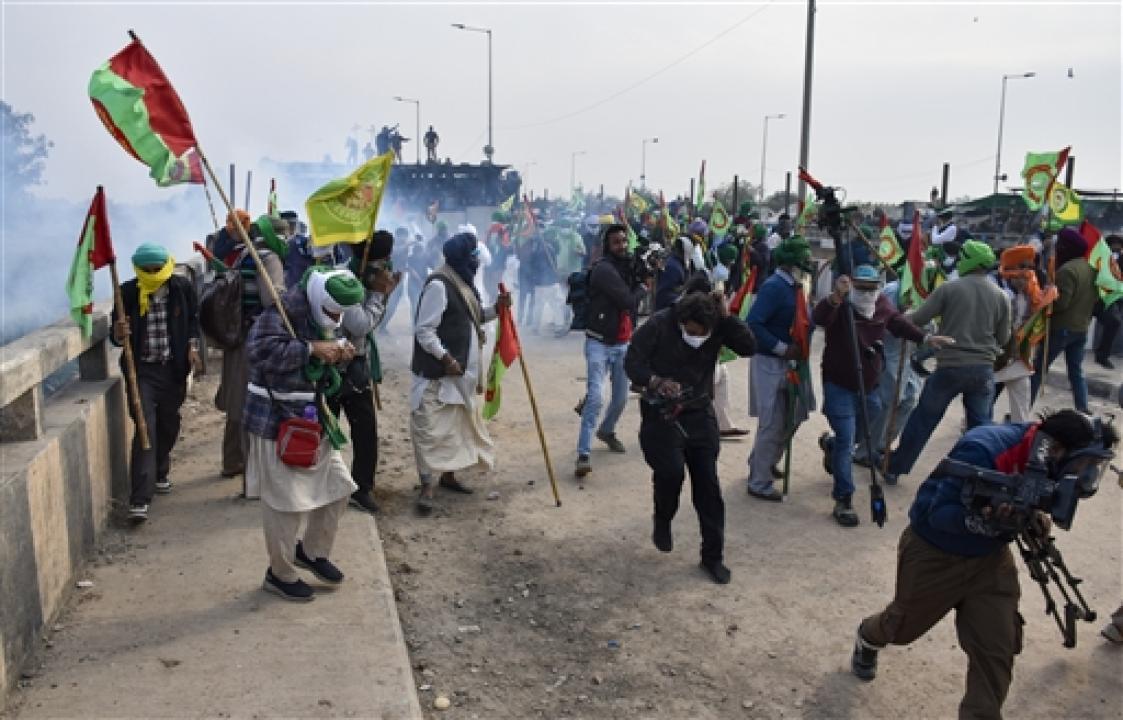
x,y
938,514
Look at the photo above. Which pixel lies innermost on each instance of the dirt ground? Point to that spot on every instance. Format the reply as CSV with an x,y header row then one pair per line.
x,y
513,608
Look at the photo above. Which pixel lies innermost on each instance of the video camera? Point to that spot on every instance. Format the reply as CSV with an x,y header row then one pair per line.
x,y
1050,487
831,212
669,408
648,260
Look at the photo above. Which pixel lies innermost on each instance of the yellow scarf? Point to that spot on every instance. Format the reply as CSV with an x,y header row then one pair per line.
x,y
149,282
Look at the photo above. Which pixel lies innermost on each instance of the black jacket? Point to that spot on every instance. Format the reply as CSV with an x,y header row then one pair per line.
x,y
612,290
183,320
658,349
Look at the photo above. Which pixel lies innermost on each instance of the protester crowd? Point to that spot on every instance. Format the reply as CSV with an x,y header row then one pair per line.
x,y
309,321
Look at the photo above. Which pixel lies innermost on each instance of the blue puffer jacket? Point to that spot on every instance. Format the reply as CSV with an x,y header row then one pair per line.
x,y
938,514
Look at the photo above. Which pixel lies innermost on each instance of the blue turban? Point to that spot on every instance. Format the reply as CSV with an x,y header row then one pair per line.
x,y
149,254
462,254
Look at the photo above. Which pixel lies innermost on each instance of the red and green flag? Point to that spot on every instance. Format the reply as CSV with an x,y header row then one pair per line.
x,y
142,111
1040,172
506,352
913,290
739,306
95,250
1109,279
1065,207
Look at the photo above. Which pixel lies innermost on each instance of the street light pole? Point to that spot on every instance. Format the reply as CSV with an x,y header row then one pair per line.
x,y
573,169
417,118
643,161
490,149
1001,122
764,150
805,126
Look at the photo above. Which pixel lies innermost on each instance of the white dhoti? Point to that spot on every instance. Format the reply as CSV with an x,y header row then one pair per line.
x,y
292,496
1016,377
448,437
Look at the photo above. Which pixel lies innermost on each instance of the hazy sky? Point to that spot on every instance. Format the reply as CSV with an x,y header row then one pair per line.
x,y
899,87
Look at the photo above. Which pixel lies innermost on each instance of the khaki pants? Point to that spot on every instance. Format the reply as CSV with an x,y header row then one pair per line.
x,y
984,593
231,399
281,529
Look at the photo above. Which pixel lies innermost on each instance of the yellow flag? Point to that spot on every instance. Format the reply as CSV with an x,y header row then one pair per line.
x,y
507,204
345,210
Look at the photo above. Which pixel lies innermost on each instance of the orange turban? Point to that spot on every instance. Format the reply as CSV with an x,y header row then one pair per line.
x,y
1013,258
243,219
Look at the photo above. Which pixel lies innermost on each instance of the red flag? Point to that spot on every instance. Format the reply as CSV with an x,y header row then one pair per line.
x,y
506,352
915,259
95,250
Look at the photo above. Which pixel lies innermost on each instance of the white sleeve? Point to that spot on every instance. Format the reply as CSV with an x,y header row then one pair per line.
x,y
430,308
939,237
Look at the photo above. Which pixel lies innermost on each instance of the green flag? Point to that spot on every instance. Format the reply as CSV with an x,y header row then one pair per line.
x,y
345,210
810,210
1109,286
1064,206
95,250
719,220
888,249
1040,172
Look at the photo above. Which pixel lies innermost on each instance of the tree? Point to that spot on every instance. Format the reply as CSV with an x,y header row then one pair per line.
x,y
25,155
746,192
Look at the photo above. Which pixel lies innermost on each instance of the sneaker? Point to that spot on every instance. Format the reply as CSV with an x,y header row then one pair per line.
x,y
717,571
826,444
611,441
164,487
662,537
582,467
138,513
770,495
363,500
298,591
864,660
320,567
1106,363
844,513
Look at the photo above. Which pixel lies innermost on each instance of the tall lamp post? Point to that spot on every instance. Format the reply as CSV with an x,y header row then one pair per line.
x,y
417,117
1001,120
573,169
643,161
764,149
490,149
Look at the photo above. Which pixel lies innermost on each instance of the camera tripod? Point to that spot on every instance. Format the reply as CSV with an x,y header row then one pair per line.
x,y
1045,565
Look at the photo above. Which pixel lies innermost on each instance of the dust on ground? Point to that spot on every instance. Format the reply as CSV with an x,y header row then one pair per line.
x,y
515,608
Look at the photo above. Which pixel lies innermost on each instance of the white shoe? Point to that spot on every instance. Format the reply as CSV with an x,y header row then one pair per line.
x,y
138,513
163,487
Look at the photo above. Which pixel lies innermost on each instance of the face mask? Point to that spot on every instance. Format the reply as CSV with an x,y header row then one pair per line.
x,y
694,341
864,302
324,321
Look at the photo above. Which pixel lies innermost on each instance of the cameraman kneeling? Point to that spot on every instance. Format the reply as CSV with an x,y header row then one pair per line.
x,y
950,558
673,356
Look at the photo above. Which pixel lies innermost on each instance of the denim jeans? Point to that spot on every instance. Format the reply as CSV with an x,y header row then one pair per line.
x,y
974,382
886,386
601,362
1072,344
842,408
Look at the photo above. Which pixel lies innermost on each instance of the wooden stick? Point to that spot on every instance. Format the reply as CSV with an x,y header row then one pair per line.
x,y
891,428
885,266
534,409
377,397
130,361
261,272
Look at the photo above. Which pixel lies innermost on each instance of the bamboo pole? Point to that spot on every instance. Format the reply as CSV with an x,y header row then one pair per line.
x,y
890,428
130,361
534,407
263,275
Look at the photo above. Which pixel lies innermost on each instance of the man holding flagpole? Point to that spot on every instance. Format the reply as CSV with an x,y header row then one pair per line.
x,y
160,319
445,425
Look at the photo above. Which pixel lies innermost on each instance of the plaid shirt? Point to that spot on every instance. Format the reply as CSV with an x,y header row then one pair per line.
x,y
157,346
276,360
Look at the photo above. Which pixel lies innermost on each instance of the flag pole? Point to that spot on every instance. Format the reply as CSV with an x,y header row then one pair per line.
x,y
130,361
890,428
262,273
241,230
534,409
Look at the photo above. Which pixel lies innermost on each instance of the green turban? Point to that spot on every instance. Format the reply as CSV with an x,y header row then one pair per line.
x,y
270,234
726,253
150,254
974,255
345,289
759,231
793,252
744,208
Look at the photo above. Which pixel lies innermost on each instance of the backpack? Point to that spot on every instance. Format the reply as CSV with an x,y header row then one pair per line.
x,y
220,311
577,297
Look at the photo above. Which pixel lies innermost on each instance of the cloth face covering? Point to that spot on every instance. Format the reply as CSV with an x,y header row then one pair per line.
x,y
149,282
864,301
694,341
320,299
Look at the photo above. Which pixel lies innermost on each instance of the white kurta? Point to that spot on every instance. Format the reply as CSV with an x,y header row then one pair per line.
x,y
445,425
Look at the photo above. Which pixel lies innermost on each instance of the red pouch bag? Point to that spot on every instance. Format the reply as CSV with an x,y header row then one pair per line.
x,y
298,442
